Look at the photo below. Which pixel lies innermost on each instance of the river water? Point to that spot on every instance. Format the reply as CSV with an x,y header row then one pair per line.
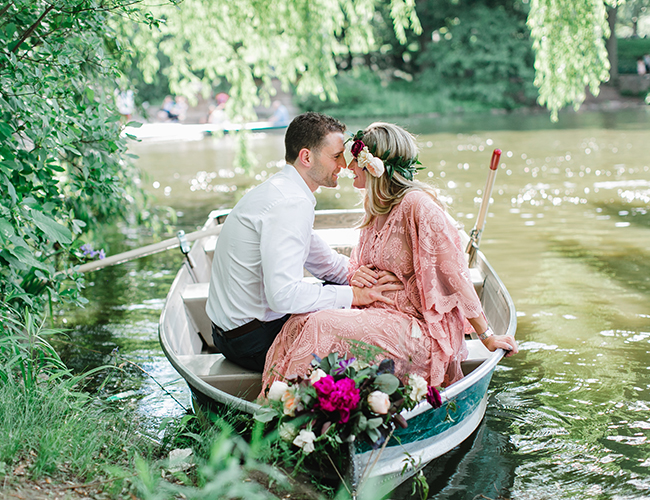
x,y
568,233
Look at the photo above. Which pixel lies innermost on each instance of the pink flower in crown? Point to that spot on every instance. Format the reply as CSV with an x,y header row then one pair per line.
x,y
356,148
341,396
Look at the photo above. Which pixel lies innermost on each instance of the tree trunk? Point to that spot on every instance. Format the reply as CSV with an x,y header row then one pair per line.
x,y
612,47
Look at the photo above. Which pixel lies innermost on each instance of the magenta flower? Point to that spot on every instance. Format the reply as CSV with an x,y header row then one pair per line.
x,y
356,148
341,396
433,397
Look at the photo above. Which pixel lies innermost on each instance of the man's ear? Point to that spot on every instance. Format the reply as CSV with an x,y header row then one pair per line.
x,y
305,157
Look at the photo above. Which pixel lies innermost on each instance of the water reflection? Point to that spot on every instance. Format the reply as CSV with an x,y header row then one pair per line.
x,y
568,233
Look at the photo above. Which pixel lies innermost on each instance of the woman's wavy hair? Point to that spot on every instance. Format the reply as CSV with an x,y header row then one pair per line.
x,y
384,192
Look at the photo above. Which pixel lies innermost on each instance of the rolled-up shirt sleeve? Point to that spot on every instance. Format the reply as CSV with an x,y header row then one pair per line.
x,y
325,263
285,245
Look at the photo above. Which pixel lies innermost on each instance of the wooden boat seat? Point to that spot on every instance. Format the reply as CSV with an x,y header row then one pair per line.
x,y
226,376
477,354
195,296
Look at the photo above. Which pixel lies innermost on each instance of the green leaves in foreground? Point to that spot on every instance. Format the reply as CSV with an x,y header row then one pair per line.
x,y
63,164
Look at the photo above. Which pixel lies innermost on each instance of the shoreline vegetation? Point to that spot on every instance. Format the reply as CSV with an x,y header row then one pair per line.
x,y
64,440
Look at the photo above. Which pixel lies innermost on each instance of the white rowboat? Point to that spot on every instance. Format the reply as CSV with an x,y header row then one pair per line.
x,y
186,339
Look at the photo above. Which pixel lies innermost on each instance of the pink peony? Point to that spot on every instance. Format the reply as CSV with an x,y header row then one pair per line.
x,y
341,396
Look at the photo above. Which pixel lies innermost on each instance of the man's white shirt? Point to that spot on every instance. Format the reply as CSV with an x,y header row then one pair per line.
x,y
258,262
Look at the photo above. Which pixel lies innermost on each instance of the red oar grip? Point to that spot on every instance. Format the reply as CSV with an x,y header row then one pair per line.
x,y
496,155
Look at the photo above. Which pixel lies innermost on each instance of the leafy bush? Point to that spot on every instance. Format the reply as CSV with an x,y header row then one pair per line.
x,y
63,164
630,50
483,56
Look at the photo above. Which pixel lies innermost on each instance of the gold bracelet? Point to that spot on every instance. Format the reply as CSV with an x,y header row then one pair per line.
x,y
486,334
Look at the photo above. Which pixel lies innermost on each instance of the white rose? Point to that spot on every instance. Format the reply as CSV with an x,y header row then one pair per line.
x,y
316,375
277,390
305,440
375,166
288,432
418,388
379,402
371,163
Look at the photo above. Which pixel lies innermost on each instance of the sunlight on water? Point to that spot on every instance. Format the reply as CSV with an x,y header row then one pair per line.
x,y
568,233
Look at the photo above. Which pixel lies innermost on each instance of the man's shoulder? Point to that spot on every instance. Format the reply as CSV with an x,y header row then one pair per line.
x,y
277,191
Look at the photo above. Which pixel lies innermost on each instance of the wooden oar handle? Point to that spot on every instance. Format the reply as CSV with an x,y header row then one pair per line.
x,y
147,250
487,193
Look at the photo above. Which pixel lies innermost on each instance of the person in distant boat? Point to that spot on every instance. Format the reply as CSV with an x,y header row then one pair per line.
x,y
268,239
405,231
217,113
166,110
280,116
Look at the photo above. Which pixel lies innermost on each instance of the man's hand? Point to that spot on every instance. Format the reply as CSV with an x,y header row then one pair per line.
x,y
363,296
368,277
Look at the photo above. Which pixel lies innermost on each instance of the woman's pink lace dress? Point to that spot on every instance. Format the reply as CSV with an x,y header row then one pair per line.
x,y
424,331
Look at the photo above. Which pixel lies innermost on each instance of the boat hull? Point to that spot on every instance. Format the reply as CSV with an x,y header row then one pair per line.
x,y
185,338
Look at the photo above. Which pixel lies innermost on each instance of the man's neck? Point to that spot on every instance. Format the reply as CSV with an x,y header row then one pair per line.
x,y
302,172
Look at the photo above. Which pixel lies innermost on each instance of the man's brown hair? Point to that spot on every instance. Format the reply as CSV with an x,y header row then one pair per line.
x,y
308,130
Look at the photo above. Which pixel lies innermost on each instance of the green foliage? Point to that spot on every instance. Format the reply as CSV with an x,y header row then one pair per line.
x,y
569,41
248,43
25,354
363,94
472,56
49,425
630,50
63,164
482,55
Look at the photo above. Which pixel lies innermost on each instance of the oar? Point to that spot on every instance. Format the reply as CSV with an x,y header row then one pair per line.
x,y
475,235
161,246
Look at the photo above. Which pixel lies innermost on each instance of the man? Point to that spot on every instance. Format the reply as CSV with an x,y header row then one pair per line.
x,y
268,239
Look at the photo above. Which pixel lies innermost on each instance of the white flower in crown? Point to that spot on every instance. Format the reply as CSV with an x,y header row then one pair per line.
x,y
371,163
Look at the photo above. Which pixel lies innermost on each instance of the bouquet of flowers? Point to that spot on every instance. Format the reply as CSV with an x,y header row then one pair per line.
x,y
342,400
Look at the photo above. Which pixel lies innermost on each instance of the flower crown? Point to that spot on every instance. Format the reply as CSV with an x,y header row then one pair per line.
x,y
406,167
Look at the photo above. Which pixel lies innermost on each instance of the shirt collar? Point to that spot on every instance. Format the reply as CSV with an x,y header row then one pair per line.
x,y
291,172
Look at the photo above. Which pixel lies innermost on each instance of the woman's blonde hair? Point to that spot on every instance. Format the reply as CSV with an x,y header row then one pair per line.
x,y
386,191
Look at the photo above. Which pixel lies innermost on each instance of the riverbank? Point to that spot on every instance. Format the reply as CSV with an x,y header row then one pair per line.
x,y
608,99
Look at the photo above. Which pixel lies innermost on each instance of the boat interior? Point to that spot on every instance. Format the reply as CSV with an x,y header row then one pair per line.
x,y
188,331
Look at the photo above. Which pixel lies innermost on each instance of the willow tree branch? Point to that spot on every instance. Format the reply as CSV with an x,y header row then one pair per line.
x,y
31,29
4,10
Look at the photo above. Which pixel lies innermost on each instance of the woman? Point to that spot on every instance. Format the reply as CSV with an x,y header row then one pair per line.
x,y
406,232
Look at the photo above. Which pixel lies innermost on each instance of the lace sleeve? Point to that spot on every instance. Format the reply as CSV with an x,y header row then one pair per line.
x,y
439,262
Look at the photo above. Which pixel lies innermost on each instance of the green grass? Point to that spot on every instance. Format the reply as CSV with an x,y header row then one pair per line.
x,y
52,427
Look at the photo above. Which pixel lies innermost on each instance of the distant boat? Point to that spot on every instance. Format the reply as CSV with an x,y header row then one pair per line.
x,y
186,339
164,131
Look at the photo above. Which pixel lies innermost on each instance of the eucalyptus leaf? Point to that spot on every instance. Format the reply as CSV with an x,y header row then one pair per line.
x,y
373,435
265,414
375,423
387,383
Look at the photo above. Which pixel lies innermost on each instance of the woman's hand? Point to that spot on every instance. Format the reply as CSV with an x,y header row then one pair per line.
x,y
505,342
368,277
364,296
